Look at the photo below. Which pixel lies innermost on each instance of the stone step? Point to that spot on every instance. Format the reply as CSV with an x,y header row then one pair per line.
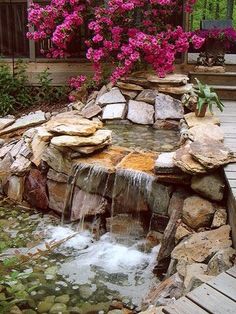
x,y
227,78
225,92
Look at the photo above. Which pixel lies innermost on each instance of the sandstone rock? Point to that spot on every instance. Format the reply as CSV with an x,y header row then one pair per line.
x,y
165,163
198,247
221,261
177,200
194,270
154,238
57,176
86,150
100,93
98,138
179,79
43,134
175,90
129,93
182,231
91,111
174,178
210,131
167,107
5,165
6,148
210,186
21,165
166,125
140,112
86,204
197,212
72,129
57,195
120,226
38,147
158,198
114,111
220,218
5,122
16,148
184,160
148,96
56,160
2,142
211,154
35,192
26,121
129,86
15,188
192,120
112,97
197,281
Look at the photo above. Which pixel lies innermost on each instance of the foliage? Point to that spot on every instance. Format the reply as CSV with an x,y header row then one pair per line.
x,y
125,33
14,88
16,92
226,36
206,96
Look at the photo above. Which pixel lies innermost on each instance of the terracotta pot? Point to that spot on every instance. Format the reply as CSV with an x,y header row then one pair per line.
x,y
202,112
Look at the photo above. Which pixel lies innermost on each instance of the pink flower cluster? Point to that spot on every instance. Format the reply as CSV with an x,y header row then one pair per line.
x,y
126,33
77,82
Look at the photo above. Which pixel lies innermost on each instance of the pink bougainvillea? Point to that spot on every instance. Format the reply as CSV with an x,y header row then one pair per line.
x,y
126,33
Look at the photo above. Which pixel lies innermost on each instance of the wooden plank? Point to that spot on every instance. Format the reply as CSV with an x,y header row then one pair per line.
x,y
183,306
230,167
225,284
230,175
232,183
212,300
232,271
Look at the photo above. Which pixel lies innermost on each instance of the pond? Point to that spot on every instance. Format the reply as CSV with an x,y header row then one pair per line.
x,y
143,137
51,268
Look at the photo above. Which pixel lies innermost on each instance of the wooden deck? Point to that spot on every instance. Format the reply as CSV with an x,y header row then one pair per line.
x,y
228,124
218,296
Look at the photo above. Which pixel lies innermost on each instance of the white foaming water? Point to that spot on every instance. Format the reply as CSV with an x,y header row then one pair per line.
x,y
120,268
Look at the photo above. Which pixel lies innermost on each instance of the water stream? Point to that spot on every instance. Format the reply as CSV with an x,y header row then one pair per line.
x,y
73,270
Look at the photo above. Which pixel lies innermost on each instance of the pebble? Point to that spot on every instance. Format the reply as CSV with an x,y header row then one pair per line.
x,y
58,308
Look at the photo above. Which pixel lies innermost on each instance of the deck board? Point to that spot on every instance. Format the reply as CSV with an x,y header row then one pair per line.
x,y
212,301
184,306
225,284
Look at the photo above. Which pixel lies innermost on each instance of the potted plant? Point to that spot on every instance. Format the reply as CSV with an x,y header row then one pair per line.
x,y
205,97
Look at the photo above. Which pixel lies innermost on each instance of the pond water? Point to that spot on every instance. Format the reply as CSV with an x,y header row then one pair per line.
x,y
143,137
66,271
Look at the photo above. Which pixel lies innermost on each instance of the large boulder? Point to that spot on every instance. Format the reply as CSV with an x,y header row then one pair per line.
x,y
210,186
221,261
167,107
140,112
199,247
197,212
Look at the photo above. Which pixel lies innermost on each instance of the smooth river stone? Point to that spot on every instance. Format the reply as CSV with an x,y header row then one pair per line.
x,y
140,112
97,138
72,129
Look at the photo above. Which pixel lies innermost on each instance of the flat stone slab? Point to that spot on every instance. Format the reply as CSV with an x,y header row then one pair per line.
x,y
73,129
91,111
148,96
192,120
185,161
5,122
211,154
139,161
114,111
165,163
129,86
202,131
179,79
140,112
97,138
112,97
26,121
176,90
167,107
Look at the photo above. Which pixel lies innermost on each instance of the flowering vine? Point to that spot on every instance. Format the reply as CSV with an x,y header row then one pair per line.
x,y
125,33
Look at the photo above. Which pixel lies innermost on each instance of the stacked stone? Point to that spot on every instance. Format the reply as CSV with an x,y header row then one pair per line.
x,y
142,101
